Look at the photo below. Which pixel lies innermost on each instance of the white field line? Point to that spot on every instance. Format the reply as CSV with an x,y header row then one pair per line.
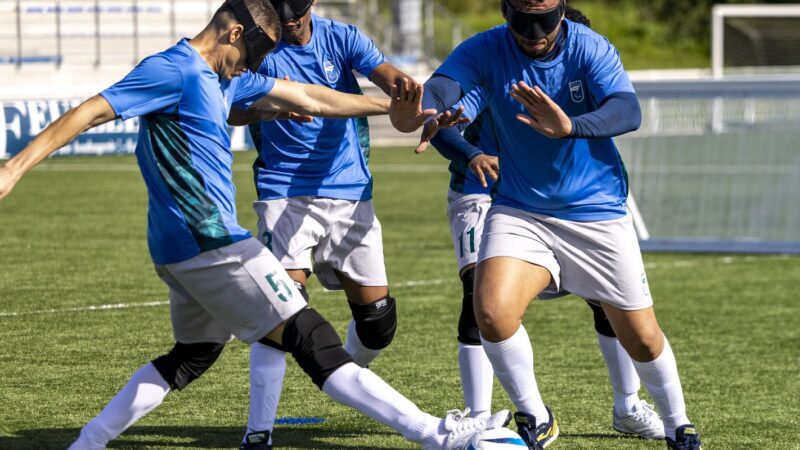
x,y
111,306
112,167
401,284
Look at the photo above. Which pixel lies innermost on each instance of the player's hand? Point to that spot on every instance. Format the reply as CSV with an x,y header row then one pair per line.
x,y
434,124
405,108
545,116
7,181
483,165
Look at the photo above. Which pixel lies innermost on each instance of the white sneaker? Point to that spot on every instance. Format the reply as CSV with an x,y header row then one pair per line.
x,y
643,422
462,427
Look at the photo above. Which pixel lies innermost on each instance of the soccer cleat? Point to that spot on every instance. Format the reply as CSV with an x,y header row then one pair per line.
x,y
643,422
539,437
686,438
257,440
462,427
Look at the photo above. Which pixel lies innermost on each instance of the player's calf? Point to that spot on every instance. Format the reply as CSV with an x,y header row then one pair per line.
x,y
187,362
468,332
314,344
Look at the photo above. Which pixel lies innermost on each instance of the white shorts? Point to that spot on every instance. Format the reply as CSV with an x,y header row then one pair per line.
x,y
238,290
594,260
467,213
325,236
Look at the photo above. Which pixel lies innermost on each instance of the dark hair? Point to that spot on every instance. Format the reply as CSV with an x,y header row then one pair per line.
x,y
577,16
263,14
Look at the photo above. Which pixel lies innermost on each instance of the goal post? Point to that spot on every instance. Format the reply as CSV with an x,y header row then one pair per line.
x,y
754,35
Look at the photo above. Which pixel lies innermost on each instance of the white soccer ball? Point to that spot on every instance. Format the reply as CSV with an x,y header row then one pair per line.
x,y
500,438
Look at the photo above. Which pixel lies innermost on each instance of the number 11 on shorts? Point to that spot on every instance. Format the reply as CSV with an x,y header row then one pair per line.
x,y
471,233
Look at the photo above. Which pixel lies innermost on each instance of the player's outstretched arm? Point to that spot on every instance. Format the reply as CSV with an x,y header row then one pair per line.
x,y
320,101
92,112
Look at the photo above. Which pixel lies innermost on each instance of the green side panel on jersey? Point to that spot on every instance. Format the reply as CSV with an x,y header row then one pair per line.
x,y
362,128
187,187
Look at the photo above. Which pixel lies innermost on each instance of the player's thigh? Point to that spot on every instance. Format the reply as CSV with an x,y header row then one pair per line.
x,y
359,294
191,323
516,263
353,247
467,213
242,286
289,229
602,261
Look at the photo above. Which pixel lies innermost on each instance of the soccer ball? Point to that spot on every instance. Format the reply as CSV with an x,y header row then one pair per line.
x,y
500,438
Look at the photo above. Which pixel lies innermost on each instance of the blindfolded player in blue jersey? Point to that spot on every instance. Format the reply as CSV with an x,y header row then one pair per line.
x,y
556,93
221,281
314,188
474,160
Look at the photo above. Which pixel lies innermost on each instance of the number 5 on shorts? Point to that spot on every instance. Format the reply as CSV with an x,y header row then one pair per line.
x,y
280,287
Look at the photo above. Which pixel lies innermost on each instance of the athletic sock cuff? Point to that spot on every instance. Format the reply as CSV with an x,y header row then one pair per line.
x,y
664,360
497,348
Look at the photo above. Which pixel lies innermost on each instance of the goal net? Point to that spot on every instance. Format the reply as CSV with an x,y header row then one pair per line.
x,y
756,37
716,165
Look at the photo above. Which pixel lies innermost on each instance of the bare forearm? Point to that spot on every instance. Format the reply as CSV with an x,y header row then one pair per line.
x,y
313,100
91,113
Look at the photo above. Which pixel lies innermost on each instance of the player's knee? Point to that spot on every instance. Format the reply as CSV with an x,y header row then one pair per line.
x,y
468,332
315,345
601,322
376,323
187,362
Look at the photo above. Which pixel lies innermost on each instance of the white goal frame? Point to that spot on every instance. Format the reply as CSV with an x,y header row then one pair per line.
x,y
720,12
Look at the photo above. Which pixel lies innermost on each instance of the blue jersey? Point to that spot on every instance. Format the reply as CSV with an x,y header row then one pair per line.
x,y
572,179
183,148
481,134
327,157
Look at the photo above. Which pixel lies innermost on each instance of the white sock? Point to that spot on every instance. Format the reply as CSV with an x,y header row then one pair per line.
x,y
267,369
361,354
660,377
621,373
477,378
512,361
144,392
363,390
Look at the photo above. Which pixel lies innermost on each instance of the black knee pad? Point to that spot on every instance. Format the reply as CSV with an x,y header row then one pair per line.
x,y
186,362
376,323
315,345
601,323
467,325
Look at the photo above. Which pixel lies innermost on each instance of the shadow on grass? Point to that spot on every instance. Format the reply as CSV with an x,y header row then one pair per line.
x,y
170,437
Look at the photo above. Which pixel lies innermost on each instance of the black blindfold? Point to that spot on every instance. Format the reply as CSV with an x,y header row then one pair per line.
x,y
289,10
256,41
533,25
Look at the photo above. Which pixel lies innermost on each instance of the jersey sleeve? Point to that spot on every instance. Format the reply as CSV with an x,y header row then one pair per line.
x,y
474,103
462,66
363,55
154,85
605,74
251,87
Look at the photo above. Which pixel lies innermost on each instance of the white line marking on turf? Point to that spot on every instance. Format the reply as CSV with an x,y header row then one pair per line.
x,y
411,283
401,284
85,308
121,167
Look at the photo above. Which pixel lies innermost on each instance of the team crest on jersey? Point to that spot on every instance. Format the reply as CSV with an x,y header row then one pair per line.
x,y
331,72
576,91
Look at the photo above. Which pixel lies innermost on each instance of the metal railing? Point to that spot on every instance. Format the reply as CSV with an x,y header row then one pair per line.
x,y
95,32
